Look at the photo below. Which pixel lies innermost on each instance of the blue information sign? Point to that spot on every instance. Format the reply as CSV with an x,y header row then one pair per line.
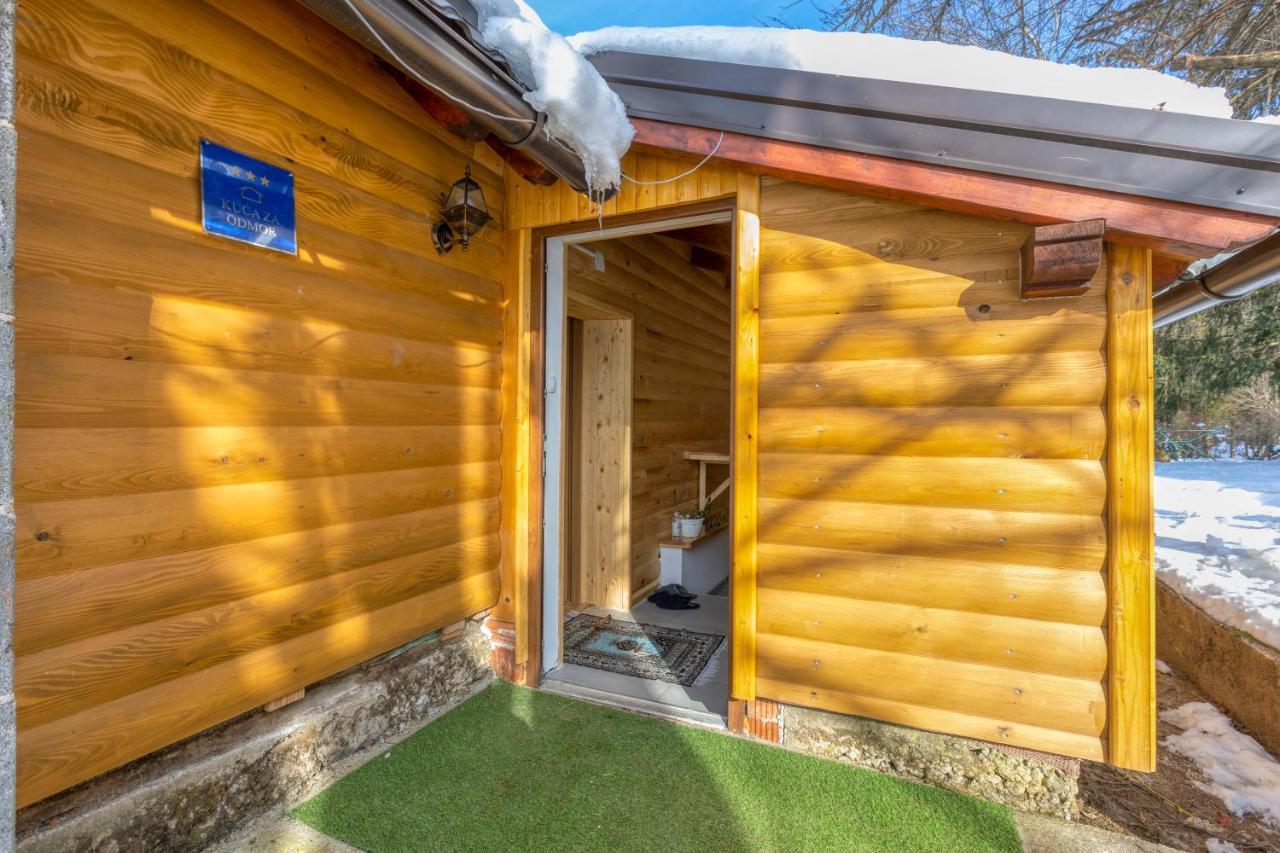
x,y
245,199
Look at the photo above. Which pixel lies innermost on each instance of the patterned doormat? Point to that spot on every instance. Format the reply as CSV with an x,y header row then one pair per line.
x,y
645,651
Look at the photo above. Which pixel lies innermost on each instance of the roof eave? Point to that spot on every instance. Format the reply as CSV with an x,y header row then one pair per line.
x,y
1176,228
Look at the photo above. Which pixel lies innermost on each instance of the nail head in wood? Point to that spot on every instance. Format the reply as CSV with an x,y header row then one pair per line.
x,y
1061,260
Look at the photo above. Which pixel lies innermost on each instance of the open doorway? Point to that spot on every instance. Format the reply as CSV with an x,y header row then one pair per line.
x,y
636,543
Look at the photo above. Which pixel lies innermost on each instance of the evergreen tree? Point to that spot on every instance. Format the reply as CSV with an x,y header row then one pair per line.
x,y
1203,359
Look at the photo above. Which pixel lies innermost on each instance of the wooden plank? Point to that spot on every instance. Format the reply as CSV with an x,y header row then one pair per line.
x,y
65,679
515,432
70,606
710,457
60,464
1075,542
67,319
966,282
53,248
745,432
1010,432
529,650
998,694
959,583
918,237
80,746
686,544
1005,732
1131,683
604,472
939,633
710,182
65,535
1025,485
142,394
1035,379
994,328
1158,224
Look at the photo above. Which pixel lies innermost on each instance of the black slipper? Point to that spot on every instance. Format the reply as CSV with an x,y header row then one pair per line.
x,y
666,601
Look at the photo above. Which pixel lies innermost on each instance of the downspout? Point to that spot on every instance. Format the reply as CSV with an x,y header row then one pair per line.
x,y
1236,277
414,36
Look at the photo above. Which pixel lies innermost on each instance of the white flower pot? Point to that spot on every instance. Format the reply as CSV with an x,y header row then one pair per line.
x,y
691,528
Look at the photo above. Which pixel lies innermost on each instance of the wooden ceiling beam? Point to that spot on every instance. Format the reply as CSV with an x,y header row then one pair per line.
x,y
714,238
705,259
1171,227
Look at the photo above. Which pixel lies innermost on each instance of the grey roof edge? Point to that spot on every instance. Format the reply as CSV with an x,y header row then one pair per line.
x,y
1220,163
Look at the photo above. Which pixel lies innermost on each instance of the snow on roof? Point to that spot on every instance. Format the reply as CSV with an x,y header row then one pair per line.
x,y
582,111
933,63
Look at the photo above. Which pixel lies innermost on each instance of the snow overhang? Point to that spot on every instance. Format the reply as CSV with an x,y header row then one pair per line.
x,y
1219,163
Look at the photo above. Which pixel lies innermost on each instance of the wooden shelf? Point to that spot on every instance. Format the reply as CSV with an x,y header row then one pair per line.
x,y
681,542
709,458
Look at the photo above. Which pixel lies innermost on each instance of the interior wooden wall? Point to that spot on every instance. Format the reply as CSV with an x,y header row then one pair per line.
x,y
600,430
931,476
680,318
236,471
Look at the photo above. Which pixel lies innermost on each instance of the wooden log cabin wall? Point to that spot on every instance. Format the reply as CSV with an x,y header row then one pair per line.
x,y
679,316
236,471
942,492
931,475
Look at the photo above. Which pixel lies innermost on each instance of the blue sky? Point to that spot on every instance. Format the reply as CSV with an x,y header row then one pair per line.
x,y
571,16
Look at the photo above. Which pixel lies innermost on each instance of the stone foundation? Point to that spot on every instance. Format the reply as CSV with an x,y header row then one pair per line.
x,y
1232,668
202,790
1020,779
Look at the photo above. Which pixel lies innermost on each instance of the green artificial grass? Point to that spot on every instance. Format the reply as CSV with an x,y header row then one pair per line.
x,y
517,769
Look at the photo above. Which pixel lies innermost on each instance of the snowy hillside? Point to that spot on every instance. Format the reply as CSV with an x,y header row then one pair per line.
x,y
1218,540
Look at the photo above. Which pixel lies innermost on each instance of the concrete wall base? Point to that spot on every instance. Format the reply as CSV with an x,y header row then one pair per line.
x,y
202,790
1232,668
1020,779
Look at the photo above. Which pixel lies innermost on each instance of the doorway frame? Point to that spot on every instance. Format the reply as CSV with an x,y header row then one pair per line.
x,y
554,245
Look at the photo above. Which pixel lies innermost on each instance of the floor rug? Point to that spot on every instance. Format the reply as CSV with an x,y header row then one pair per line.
x,y
645,651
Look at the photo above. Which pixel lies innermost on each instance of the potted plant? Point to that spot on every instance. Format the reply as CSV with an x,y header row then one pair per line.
x,y
691,523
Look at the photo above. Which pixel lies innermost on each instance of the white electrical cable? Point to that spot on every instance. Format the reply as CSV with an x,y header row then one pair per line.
x,y
702,163
423,80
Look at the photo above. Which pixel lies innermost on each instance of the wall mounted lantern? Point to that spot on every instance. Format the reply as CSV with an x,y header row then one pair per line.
x,y
465,213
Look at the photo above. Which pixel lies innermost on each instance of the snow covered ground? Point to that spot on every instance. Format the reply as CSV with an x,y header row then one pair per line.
x,y
1218,540
1237,769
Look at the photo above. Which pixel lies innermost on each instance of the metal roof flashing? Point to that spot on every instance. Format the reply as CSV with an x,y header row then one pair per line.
x,y
1219,163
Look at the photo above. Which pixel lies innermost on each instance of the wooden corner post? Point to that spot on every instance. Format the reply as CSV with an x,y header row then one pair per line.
x,y
746,428
1131,677
519,506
